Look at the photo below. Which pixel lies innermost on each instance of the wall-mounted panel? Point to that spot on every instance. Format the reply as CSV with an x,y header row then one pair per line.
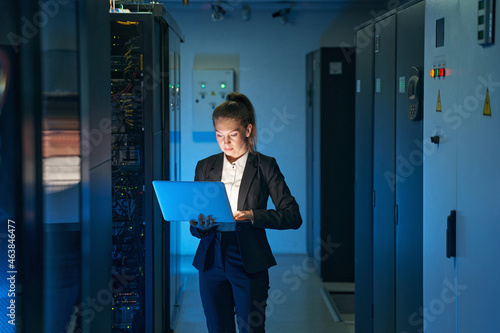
x,y
210,88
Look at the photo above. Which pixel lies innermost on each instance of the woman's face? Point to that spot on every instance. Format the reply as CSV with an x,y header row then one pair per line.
x,y
232,137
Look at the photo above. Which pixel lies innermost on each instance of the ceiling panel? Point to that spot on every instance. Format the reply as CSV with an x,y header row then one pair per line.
x,y
262,4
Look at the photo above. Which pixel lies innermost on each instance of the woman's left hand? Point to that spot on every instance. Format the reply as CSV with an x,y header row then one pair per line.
x,y
243,215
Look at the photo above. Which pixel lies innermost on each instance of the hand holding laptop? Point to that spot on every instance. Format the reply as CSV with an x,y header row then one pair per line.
x,y
202,224
239,215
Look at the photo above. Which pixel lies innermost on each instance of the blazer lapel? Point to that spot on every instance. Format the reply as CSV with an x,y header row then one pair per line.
x,y
215,172
246,180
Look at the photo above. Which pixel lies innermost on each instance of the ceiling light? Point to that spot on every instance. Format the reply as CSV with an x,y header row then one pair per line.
x,y
282,15
218,14
245,13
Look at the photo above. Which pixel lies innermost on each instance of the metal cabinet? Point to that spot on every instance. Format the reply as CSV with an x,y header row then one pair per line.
x,y
389,266
363,177
384,141
330,162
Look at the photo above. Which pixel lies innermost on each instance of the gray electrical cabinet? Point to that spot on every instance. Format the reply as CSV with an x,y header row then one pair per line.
x,y
389,148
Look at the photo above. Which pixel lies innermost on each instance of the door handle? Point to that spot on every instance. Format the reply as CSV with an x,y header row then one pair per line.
x,y
451,235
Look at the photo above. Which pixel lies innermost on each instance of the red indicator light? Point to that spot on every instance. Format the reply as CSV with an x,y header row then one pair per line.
x,y
441,72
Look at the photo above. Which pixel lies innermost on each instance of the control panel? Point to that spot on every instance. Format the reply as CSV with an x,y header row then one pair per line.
x,y
210,88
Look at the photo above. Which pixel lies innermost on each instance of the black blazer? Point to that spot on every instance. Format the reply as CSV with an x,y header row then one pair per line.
x,y
261,178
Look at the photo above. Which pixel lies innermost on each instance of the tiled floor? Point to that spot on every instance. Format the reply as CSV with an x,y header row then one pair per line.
x,y
301,308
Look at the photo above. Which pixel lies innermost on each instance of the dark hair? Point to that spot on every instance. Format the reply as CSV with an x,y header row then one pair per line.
x,y
238,107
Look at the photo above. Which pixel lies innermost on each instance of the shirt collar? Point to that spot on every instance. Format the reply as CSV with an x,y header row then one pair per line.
x,y
240,162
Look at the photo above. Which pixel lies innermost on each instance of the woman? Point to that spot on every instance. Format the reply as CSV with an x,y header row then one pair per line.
x,y
233,258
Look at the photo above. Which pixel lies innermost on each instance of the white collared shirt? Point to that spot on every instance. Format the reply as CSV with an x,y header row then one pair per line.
x,y
232,173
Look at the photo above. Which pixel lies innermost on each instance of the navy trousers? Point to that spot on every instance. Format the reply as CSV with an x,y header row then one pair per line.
x,y
227,290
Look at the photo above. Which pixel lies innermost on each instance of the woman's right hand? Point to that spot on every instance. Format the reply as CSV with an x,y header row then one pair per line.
x,y
203,223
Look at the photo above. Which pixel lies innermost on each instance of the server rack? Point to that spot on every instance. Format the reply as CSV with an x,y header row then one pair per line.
x,y
145,85
390,268
65,224
330,169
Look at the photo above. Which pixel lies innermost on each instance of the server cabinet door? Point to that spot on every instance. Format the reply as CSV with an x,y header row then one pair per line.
x,y
409,167
337,162
363,197
383,175
316,151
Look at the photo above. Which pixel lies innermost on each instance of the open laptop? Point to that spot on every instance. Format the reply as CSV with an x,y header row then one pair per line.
x,y
185,200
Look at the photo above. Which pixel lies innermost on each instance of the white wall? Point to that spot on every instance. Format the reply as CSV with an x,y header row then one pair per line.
x,y
461,294
272,74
